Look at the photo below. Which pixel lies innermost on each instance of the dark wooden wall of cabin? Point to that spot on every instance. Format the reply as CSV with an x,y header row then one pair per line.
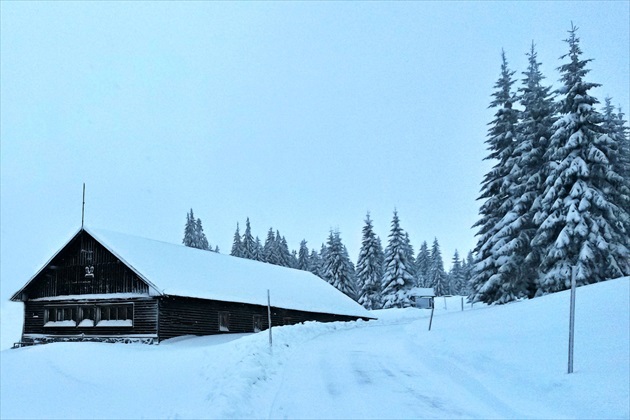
x,y
66,273
145,314
191,316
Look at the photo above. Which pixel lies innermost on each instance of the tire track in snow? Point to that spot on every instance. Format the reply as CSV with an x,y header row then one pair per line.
x,y
353,378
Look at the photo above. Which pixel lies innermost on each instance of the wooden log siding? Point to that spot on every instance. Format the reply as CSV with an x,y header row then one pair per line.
x,y
66,273
144,319
191,316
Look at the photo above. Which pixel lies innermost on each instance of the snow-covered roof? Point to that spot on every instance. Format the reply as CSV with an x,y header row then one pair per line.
x,y
422,292
171,269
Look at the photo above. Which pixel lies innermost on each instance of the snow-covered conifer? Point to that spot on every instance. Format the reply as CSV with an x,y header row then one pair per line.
x,y
437,276
189,229
423,264
200,240
237,246
338,269
258,250
624,150
249,244
578,218
270,252
467,267
322,255
456,275
303,260
369,268
496,186
285,256
315,263
511,262
615,133
397,278
351,269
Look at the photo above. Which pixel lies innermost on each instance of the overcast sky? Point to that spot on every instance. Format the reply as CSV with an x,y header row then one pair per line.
x,y
301,116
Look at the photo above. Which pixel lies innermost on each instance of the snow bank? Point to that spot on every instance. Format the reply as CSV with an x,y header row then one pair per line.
x,y
11,320
486,362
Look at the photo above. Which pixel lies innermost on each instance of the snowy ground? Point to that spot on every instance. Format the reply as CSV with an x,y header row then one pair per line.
x,y
486,362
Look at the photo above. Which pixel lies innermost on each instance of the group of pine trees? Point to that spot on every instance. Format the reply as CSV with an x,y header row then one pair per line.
x,y
381,278
558,195
274,251
387,278
194,236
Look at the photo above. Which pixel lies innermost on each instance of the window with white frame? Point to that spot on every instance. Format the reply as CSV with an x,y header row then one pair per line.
x,y
60,316
86,316
103,315
119,315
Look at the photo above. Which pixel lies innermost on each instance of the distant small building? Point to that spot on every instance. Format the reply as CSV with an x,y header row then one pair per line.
x,y
107,286
422,297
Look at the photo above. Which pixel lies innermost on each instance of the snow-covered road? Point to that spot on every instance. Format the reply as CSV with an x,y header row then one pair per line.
x,y
388,372
369,372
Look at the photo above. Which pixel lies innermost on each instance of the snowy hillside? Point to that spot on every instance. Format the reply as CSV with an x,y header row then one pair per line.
x,y
486,362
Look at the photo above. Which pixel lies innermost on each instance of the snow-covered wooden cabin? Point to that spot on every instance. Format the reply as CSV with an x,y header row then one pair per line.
x,y
107,286
422,297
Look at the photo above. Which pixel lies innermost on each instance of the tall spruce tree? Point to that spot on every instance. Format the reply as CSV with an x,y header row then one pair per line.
x,y
437,276
579,223
322,255
319,261
258,250
397,278
237,246
270,252
534,134
189,229
423,264
303,259
285,256
467,267
513,272
315,264
456,276
615,134
249,243
353,273
369,268
496,187
338,269
200,240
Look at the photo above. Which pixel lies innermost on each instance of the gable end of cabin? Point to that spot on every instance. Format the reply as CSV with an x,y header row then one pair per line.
x,y
86,293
